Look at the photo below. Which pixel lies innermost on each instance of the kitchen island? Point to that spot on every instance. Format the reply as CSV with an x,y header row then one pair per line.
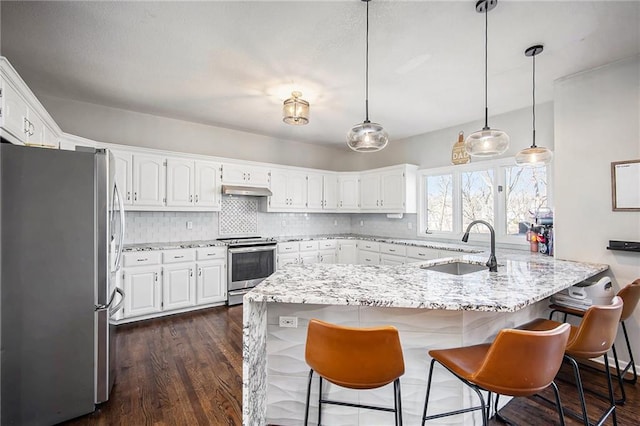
x,y
430,309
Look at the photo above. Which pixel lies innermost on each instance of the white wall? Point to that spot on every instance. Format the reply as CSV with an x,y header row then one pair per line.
x,y
119,126
597,121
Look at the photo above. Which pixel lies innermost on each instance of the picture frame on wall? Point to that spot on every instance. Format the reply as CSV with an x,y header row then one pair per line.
x,y
625,185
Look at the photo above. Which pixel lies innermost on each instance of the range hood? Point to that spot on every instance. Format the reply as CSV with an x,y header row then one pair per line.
x,y
254,191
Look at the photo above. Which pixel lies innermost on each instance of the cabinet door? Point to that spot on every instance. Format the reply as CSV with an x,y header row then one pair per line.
x,y
148,180
368,257
348,191
258,176
280,198
347,252
330,192
35,131
14,112
370,191
177,286
286,259
211,282
124,169
309,257
297,190
234,174
392,191
315,198
142,287
327,256
207,184
389,259
180,182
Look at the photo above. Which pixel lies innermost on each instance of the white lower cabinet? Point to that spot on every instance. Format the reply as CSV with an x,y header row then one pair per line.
x,y
178,286
143,290
366,257
161,282
419,254
347,252
389,259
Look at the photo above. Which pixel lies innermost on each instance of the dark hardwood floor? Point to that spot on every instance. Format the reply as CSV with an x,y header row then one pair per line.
x,y
187,370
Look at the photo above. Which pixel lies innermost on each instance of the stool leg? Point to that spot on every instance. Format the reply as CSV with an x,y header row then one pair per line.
x,y
576,373
558,403
426,400
620,381
397,401
306,409
611,409
631,360
319,400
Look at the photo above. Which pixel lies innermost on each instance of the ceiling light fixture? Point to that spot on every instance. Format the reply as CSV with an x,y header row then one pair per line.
x,y
295,110
534,155
367,136
486,142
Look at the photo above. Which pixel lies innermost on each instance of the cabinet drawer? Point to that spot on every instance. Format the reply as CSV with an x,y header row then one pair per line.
x,y
327,244
423,253
395,249
366,257
180,255
290,247
211,253
369,245
308,245
139,258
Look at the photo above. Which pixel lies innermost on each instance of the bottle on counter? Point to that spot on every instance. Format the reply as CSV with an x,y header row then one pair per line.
x,y
532,237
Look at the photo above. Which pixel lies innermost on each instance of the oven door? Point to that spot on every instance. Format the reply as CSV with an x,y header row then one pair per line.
x,y
248,266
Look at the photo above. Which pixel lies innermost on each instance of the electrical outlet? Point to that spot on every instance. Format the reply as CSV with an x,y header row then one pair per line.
x,y
362,223
335,222
189,224
289,322
409,225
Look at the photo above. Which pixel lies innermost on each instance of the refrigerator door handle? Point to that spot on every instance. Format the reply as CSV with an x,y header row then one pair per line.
x,y
121,211
116,308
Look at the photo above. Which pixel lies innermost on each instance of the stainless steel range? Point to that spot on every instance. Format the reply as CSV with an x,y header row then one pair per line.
x,y
250,261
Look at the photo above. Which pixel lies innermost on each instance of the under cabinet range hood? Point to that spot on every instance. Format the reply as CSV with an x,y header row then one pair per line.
x,y
254,191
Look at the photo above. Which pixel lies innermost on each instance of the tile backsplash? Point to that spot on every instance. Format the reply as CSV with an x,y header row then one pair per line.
x,y
380,225
154,227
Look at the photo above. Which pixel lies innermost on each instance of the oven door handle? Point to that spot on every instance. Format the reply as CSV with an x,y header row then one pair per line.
x,y
251,249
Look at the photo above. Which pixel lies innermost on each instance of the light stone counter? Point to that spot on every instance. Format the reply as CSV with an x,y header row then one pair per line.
x,y
430,309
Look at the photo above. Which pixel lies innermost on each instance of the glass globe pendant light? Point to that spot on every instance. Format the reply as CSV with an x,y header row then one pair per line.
x,y
367,136
486,142
535,155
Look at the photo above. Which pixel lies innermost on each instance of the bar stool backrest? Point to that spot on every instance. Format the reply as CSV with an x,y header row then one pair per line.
x,y
523,362
597,330
356,358
630,295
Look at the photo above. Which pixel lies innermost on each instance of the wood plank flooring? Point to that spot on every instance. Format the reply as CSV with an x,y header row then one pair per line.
x,y
187,370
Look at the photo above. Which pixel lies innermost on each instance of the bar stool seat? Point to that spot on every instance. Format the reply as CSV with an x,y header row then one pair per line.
x,y
591,339
517,363
354,358
630,296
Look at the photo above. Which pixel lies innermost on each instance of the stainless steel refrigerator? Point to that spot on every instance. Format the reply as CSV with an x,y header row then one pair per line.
x,y
61,228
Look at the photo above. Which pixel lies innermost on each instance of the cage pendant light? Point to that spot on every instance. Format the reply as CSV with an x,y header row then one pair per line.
x,y
295,110
486,142
534,155
367,136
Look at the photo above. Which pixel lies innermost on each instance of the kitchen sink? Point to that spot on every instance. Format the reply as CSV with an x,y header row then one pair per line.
x,y
456,268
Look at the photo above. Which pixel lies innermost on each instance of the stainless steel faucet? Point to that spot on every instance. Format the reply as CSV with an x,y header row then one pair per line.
x,y
492,263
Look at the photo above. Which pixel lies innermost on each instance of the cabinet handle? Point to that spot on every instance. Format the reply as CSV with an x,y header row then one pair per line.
x,y
421,254
377,203
128,195
155,276
381,203
340,203
392,250
135,196
368,260
196,198
199,272
190,272
191,198
143,259
31,129
249,174
178,257
25,125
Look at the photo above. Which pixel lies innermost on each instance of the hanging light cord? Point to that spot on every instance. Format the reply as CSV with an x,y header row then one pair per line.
x,y
486,55
534,101
366,78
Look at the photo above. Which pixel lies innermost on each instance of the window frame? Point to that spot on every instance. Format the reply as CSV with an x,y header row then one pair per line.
x,y
499,201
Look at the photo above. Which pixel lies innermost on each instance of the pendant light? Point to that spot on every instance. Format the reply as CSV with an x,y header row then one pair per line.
x,y
295,110
486,142
535,155
367,136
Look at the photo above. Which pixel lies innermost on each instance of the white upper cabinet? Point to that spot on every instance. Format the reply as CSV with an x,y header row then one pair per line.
x,y
389,190
322,192
23,120
192,184
148,180
349,192
289,188
124,175
242,174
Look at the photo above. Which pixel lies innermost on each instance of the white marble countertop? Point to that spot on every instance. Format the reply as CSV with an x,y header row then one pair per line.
x,y
522,279
172,245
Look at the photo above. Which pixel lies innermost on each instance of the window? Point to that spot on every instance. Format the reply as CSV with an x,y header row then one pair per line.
x,y
499,192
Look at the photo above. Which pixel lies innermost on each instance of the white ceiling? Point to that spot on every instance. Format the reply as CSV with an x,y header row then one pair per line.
x,y
232,63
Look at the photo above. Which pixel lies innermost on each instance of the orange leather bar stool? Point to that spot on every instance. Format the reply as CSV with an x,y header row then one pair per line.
x,y
630,296
517,363
354,358
591,339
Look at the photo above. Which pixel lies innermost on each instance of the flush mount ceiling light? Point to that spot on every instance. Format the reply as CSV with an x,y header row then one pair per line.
x,y
535,155
295,110
367,136
486,142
